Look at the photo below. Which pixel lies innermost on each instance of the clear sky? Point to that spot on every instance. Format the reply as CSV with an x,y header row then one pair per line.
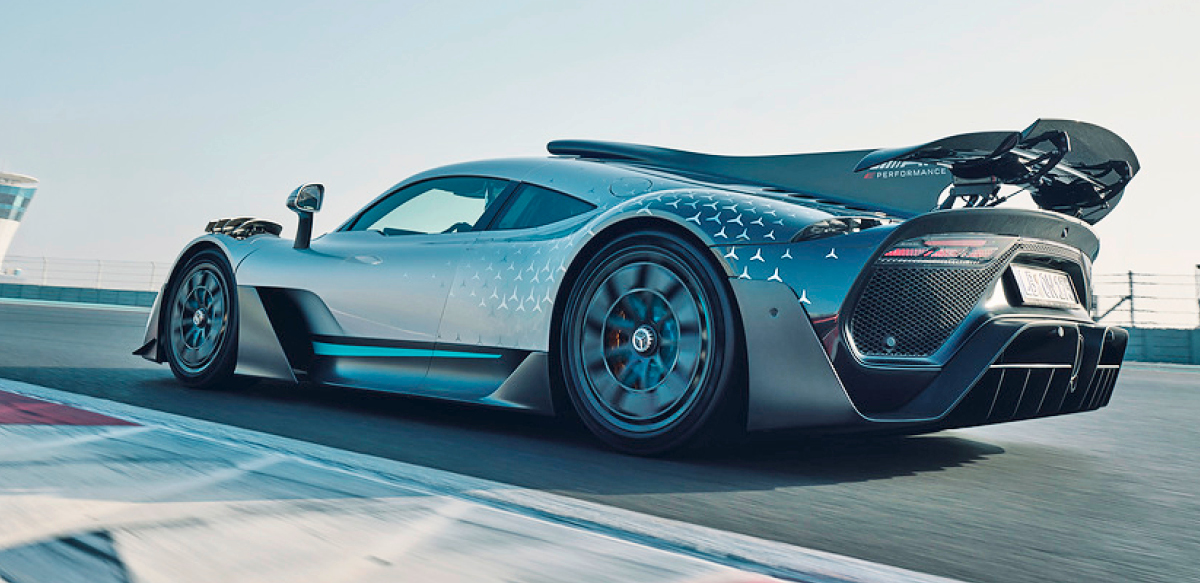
x,y
144,120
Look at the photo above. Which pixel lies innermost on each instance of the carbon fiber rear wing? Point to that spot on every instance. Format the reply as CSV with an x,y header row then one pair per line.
x,y
1069,167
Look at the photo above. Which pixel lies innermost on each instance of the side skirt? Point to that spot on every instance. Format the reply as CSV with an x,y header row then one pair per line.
x,y
505,378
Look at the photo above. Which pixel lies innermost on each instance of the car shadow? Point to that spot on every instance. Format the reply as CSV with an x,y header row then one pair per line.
x,y
756,462
516,448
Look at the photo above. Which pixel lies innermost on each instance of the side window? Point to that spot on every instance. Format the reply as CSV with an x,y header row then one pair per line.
x,y
441,205
534,206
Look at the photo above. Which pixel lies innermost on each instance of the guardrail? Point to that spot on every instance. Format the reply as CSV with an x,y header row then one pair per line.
x,y
79,295
94,274
1147,300
1163,345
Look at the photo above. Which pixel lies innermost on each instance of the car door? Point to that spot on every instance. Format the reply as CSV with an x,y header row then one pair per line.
x,y
501,300
385,277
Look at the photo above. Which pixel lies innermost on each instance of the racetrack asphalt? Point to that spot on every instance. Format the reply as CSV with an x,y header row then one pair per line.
x,y
1111,495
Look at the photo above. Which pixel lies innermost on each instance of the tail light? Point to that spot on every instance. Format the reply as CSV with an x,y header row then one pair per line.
x,y
948,249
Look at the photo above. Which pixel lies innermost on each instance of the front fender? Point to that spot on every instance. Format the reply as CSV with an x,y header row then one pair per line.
x,y
259,351
151,348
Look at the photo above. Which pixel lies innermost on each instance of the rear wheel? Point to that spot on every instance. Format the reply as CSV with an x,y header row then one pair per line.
x,y
200,327
648,349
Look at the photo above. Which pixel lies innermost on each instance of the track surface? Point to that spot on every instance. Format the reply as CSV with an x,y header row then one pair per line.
x,y
1112,495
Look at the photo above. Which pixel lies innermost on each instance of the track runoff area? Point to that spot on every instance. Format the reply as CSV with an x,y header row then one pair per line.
x,y
1109,495
93,490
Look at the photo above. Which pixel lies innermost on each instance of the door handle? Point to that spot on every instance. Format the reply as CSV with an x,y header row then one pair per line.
x,y
367,259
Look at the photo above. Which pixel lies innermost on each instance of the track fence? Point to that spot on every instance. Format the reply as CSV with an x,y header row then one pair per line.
x,y
1148,300
99,274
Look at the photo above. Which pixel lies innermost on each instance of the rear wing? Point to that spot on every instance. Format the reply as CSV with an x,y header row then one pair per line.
x,y
1069,167
907,190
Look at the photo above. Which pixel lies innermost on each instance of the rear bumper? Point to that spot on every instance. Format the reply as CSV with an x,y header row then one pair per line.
x,y
1023,384
1009,368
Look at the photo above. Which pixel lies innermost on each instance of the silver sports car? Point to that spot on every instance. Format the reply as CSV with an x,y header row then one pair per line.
x,y
675,299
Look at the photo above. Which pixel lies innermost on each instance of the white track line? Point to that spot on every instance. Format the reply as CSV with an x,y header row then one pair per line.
x,y
74,441
721,547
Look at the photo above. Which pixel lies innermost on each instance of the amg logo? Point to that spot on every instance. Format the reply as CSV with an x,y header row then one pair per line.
x,y
894,164
898,169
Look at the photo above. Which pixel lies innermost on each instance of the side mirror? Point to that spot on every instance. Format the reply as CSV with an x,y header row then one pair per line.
x,y
305,201
307,198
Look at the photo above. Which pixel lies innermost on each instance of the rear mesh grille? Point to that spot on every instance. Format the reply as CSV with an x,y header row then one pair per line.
x,y
919,307
911,311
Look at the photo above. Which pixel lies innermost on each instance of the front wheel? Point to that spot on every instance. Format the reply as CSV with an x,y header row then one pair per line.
x,y
648,350
200,324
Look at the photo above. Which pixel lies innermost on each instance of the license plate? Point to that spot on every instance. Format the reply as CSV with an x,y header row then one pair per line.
x,y
1044,287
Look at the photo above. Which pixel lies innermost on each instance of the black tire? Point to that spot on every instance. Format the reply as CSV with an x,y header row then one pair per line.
x,y
648,350
200,322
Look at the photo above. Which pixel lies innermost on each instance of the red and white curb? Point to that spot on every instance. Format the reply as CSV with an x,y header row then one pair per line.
x,y
98,491
18,410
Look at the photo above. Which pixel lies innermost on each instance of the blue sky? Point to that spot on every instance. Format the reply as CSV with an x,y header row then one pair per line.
x,y
143,120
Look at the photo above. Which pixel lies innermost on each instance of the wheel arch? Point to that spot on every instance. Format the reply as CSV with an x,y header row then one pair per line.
x,y
608,233
219,368
152,348
259,351
191,251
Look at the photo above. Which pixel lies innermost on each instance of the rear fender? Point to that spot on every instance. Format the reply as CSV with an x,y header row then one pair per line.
x,y
719,217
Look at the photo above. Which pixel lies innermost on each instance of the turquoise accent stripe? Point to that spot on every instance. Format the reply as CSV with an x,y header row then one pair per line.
x,y
327,349
453,354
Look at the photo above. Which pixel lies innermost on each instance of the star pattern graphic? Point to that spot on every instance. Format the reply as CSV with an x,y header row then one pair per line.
x,y
753,218
504,291
516,301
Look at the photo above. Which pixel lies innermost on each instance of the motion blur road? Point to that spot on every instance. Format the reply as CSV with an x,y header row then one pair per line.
x,y
1112,495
